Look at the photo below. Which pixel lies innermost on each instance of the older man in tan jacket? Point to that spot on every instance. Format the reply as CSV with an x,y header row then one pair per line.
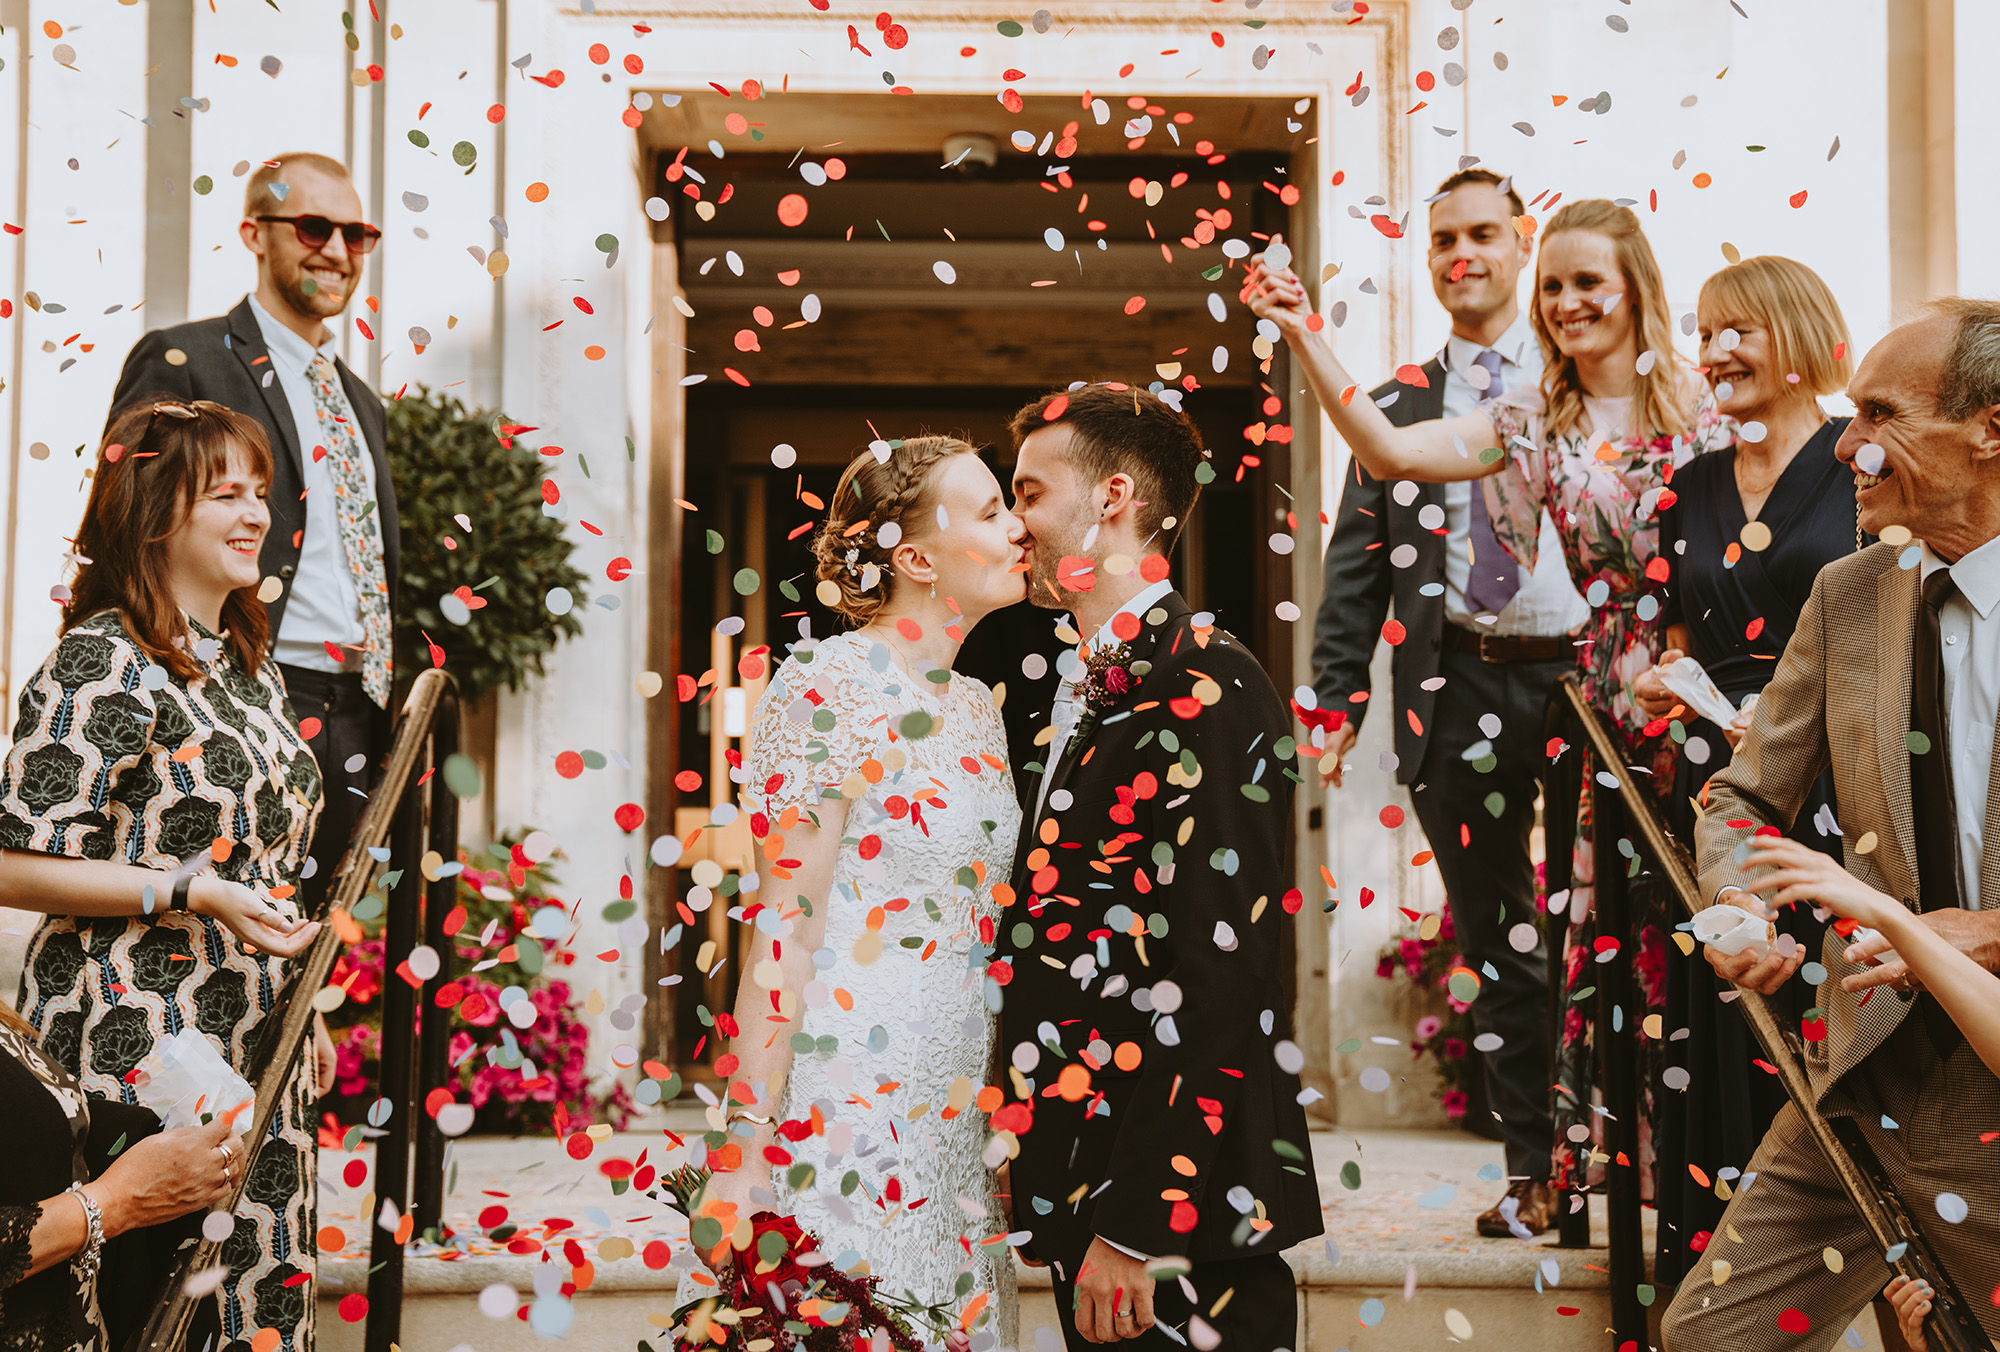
x,y
1892,678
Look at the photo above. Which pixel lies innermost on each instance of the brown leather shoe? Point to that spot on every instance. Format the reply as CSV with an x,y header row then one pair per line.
x,y
1534,1210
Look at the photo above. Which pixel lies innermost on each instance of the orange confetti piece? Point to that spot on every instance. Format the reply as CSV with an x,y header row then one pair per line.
x,y
1702,180
538,192
1134,305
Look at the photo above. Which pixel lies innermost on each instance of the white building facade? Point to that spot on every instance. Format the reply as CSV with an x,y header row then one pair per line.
x,y
134,123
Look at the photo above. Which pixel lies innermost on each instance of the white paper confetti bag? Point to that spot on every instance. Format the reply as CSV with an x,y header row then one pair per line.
x,y
1731,930
184,1076
1693,687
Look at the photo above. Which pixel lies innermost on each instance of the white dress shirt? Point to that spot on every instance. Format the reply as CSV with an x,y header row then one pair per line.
x,y
324,607
1969,646
1067,711
1548,603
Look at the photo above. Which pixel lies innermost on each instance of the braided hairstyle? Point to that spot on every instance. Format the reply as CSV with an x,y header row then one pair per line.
x,y
898,494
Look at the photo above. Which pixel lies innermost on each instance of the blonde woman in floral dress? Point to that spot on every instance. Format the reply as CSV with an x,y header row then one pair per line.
x,y
1596,445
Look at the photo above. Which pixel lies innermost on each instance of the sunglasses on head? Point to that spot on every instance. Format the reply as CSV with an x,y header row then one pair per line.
x,y
315,231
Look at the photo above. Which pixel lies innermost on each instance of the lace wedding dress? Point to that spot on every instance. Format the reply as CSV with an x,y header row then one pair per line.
x,y
898,1012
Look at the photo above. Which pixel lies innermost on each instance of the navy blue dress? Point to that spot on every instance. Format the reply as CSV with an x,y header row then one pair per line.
x,y
1717,1121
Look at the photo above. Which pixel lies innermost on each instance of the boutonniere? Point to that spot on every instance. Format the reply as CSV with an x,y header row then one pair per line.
x,y
1107,678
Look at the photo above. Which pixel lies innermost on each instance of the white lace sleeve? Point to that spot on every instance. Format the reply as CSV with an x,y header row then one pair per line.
x,y
813,729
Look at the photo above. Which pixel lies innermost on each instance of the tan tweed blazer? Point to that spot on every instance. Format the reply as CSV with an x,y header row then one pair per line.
x,y
1841,695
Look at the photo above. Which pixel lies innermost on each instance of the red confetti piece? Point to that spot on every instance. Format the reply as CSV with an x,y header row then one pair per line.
x,y
656,1254
629,816
496,112
1393,632
309,728
1134,305
1391,816
353,1306
1076,573
792,209
1793,1321
1799,198
687,781
569,765
355,1173
1389,228
1754,628
580,1145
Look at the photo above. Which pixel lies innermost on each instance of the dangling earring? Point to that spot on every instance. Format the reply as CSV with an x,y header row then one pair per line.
x,y
933,591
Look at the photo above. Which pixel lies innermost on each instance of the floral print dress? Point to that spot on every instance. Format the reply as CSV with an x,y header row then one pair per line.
x,y
1601,484
116,758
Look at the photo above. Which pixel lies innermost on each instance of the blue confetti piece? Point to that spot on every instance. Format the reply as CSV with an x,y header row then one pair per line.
x,y
1490,1173
1441,1196
1372,1311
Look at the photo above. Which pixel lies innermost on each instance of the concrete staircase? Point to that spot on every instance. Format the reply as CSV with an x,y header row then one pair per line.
x,y
1399,1269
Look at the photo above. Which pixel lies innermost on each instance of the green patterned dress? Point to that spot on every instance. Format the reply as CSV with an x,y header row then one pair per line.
x,y
93,774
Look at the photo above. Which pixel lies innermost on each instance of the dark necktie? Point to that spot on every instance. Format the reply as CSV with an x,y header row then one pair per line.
x,y
1931,799
1495,577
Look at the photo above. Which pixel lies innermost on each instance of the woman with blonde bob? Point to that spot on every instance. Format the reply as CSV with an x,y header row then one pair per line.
x,y
1747,531
1595,444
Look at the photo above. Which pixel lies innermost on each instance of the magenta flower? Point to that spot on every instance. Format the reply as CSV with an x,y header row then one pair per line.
x,y
1428,1026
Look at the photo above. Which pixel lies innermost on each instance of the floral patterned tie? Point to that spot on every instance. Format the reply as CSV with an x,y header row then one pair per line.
x,y
360,532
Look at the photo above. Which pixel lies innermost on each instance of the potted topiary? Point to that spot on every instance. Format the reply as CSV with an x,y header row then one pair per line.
x,y
479,556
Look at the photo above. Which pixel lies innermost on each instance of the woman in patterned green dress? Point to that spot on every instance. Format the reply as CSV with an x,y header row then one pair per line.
x,y
154,747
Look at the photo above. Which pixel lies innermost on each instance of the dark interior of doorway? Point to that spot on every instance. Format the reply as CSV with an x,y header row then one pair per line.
x,y
1216,565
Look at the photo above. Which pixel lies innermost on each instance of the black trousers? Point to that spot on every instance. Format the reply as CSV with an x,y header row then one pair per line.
x,y
350,727
1490,881
1262,1314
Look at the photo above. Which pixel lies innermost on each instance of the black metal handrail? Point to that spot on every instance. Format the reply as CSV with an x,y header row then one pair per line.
x,y
1950,1326
426,733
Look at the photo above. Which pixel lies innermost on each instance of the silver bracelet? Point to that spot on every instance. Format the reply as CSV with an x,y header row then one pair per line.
x,y
87,1258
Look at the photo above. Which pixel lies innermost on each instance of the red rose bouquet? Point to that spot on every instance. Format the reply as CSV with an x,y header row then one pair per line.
x,y
781,1293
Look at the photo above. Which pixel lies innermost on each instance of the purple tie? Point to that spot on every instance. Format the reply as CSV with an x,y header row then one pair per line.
x,y
1495,576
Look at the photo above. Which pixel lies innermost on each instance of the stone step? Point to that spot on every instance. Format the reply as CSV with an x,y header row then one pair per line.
x,y
1400,1252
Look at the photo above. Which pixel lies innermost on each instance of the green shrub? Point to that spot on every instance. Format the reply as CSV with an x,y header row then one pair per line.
x,y
448,461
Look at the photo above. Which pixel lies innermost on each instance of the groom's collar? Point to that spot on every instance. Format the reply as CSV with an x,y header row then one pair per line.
x,y
1144,600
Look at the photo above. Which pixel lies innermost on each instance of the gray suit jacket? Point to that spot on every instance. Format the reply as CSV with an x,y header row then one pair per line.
x,y
1840,697
1360,581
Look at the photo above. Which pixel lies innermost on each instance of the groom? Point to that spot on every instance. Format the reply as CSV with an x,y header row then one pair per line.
x,y
1139,956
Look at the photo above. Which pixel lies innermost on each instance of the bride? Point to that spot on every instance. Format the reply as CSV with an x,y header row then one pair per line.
x,y
879,787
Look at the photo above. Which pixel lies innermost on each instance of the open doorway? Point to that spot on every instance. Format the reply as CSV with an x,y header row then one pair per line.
x,y
915,298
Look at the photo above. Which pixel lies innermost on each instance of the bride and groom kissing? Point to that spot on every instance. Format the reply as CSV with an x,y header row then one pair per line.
x,y
964,1027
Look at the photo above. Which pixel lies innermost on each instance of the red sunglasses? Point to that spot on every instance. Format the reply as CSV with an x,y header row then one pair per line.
x,y
315,231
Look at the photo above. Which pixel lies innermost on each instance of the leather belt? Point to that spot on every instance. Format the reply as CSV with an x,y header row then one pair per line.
x,y
1508,648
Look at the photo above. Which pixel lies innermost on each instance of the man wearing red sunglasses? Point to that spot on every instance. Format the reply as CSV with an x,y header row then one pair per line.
x,y
330,559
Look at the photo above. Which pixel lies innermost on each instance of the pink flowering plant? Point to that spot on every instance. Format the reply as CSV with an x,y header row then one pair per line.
x,y
1427,964
517,1079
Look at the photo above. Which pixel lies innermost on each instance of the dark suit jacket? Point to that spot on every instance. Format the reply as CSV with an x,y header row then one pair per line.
x,y
1369,528
228,364
1201,1109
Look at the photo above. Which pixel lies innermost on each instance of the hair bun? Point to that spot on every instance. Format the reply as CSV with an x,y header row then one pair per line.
x,y
878,506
